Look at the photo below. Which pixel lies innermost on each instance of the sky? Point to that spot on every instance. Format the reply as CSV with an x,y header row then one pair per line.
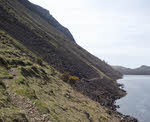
x,y
117,31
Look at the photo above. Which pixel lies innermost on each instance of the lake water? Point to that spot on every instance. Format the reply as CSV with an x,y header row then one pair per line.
x,y
137,101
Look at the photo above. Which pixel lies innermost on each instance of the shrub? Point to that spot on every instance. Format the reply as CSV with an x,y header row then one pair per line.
x,y
69,79
73,79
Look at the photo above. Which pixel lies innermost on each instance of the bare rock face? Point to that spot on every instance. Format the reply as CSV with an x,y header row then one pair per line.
x,y
48,17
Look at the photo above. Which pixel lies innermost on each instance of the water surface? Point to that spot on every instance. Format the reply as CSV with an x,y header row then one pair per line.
x,y
137,101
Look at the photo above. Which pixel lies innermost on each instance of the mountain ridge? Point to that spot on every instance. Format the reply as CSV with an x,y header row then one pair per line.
x,y
142,70
45,14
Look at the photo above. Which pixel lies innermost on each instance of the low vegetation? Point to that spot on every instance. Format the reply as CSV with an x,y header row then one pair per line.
x,y
25,82
66,77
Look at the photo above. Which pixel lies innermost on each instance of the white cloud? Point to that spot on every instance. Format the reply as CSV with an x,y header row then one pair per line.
x,y
118,29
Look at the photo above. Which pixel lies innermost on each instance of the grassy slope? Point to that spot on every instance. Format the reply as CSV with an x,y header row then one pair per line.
x,y
31,92
34,90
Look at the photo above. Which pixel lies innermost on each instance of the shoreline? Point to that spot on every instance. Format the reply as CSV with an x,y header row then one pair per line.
x,y
124,118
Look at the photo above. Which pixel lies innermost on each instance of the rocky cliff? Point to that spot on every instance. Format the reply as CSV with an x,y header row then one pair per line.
x,y
45,76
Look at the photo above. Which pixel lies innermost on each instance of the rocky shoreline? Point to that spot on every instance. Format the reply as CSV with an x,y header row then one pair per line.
x,y
124,118
105,98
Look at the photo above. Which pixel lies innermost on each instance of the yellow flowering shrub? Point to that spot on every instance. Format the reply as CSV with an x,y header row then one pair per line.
x,y
70,79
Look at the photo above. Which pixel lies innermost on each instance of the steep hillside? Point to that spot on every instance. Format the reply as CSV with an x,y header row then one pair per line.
x,y
41,38
143,70
44,39
46,16
31,90
46,76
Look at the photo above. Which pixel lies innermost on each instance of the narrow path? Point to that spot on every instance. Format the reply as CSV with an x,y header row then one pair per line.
x,y
93,79
29,108
89,80
24,104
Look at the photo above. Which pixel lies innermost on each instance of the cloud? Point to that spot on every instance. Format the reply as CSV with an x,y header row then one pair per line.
x,y
118,29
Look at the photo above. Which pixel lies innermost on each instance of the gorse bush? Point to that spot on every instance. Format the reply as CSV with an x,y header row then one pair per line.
x,y
69,79
73,79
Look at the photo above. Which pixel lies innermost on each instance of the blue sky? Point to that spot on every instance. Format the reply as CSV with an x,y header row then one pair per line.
x,y
117,31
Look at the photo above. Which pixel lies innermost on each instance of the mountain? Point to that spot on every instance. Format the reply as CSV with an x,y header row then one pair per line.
x,y
143,70
46,16
45,76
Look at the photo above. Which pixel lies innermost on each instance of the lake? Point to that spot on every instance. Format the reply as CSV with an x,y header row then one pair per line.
x,y
137,101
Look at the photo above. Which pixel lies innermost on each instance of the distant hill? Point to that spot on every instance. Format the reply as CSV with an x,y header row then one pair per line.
x,y
143,70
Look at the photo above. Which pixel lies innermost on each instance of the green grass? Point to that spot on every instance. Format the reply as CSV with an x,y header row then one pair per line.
x,y
12,115
41,106
4,74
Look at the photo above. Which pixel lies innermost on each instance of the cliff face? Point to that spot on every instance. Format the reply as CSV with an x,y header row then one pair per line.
x,y
143,70
45,75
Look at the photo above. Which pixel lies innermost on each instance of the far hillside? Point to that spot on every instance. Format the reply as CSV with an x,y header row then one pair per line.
x,y
143,70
